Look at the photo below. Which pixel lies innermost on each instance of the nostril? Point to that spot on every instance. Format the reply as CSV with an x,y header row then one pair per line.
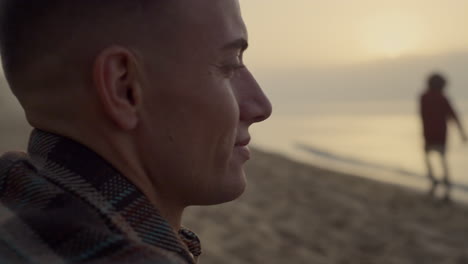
x,y
264,110
263,117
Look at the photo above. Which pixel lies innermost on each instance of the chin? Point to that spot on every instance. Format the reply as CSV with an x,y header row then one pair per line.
x,y
233,192
237,183
232,188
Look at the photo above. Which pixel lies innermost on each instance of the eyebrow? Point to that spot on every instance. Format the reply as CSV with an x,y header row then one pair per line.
x,y
241,44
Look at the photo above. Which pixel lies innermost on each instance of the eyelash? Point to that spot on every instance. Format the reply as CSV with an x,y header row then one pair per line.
x,y
231,69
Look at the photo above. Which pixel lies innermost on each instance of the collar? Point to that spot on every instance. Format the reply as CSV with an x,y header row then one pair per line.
x,y
81,171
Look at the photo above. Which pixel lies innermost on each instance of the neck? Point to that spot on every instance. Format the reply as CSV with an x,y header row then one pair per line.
x,y
118,150
126,160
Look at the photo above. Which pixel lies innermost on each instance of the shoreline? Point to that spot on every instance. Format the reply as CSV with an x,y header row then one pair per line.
x,y
387,174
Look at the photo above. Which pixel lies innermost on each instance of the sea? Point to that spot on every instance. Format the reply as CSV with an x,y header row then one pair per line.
x,y
381,140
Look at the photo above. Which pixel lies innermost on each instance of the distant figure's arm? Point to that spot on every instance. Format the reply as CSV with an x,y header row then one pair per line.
x,y
453,115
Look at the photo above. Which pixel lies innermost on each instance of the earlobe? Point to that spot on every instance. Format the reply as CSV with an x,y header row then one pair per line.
x,y
116,80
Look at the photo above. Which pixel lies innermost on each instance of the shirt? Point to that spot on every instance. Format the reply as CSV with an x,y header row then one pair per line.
x,y
435,112
63,203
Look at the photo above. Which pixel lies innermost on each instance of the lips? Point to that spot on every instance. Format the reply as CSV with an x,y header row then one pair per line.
x,y
243,142
242,149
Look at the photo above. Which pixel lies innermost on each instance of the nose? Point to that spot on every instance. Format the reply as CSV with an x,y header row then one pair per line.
x,y
254,105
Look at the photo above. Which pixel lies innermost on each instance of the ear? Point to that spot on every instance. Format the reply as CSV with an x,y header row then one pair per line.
x,y
116,78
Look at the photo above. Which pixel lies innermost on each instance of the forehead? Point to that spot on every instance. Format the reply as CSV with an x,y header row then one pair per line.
x,y
208,22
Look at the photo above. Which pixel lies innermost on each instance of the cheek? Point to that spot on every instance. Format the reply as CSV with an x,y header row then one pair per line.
x,y
229,115
193,132
201,120
220,128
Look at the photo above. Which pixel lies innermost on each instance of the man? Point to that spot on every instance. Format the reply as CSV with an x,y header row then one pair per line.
x,y
141,108
436,110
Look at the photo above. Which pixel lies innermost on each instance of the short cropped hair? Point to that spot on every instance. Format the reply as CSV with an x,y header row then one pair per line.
x,y
436,81
31,29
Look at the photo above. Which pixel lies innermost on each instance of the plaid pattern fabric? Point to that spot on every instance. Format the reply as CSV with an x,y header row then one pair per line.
x,y
62,203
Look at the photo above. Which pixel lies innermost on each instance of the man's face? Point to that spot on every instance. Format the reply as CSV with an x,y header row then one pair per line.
x,y
199,101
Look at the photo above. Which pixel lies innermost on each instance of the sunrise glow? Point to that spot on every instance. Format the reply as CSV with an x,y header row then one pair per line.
x,y
314,33
391,35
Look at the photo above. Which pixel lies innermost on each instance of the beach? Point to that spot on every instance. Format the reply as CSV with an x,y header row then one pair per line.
x,y
349,108
298,213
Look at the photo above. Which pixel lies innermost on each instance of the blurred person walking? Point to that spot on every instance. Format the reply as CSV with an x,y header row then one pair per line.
x,y
436,110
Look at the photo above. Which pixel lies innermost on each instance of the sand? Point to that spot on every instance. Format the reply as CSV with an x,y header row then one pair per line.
x,y
298,213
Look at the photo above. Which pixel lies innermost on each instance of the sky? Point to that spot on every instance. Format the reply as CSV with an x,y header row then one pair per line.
x,y
300,33
309,51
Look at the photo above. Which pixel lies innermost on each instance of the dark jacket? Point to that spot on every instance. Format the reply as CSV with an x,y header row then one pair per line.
x,y
435,110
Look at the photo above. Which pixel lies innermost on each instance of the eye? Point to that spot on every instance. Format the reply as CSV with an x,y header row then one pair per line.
x,y
230,69
233,64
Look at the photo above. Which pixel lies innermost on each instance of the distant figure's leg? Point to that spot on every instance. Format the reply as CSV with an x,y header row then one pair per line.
x,y
430,173
446,179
